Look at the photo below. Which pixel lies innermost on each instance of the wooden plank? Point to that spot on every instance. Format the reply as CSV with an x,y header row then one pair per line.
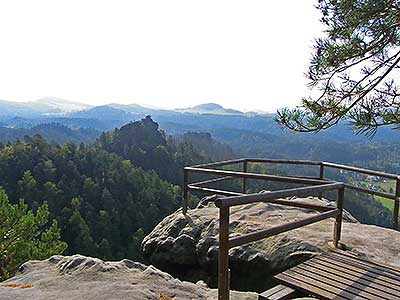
x,y
212,191
360,170
353,286
309,287
293,203
365,266
348,267
200,183
357,273
351,255
272,291
284,161
347,291
366,263
286,294
371,192
220,163
358,279
345,276
279,292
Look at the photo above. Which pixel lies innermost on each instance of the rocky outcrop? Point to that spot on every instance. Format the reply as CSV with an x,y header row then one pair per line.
x,y
186,246
83,278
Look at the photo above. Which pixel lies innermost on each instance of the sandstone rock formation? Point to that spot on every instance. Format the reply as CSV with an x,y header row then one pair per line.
x,y
83,278
186,246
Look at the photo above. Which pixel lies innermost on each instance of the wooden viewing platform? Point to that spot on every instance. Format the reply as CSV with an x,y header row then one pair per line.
x,y
332,275
341,276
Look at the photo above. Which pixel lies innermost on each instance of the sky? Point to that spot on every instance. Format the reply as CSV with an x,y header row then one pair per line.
x,y
247,55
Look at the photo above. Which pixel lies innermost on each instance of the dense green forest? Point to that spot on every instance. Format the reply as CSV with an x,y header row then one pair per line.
x,y
52,132
108,195
103,204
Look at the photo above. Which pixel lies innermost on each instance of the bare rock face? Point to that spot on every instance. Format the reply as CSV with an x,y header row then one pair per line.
x,y
84,278
186,246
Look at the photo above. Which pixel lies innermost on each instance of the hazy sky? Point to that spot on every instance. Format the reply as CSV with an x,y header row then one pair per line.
x,y
248,54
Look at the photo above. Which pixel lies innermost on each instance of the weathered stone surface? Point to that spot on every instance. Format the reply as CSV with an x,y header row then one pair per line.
x,y
84,278
186,246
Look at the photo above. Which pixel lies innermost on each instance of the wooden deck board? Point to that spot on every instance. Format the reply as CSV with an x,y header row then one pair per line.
x,y
306,286
279,292
341,276
386,266
350,268
273,291
359,279
365,265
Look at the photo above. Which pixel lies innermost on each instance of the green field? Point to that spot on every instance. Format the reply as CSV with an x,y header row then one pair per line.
x,y
383,187
385,202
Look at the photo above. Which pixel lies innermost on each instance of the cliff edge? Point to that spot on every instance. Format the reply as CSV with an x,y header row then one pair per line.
x,y
84,278
186,246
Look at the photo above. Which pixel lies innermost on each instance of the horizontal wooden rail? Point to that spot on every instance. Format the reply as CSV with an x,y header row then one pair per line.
x,y
299,204
264,197
285,161
371,192
361,170
213,191
199,183
288,179
261,234
221,163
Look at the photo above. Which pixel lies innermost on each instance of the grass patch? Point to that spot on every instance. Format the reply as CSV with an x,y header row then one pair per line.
x,y
388,203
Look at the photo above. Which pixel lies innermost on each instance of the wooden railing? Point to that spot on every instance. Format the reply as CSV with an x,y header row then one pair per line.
x,y
210,169
319,184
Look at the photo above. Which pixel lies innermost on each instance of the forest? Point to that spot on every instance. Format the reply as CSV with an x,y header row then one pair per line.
x,y
106,196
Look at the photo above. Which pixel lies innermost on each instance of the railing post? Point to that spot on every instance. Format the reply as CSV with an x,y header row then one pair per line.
x,y
321,176
396,206
321,170
244,186
185,191
339,218
223,254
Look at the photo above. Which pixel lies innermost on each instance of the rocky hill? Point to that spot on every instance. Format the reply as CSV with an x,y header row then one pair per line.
x,y
186,246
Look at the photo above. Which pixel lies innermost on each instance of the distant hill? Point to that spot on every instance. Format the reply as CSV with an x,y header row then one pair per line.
x,y
24,109
206,108
211,108
103,112
62,104
51,106
40,107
